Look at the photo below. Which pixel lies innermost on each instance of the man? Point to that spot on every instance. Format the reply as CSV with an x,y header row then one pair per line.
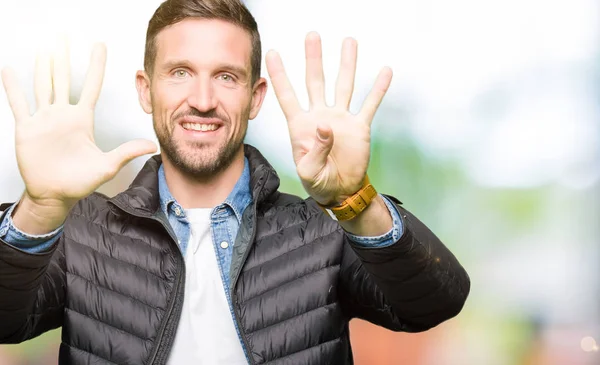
x,y
202,260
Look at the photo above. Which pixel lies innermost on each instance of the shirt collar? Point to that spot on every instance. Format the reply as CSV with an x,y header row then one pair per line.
x,y
238,200
240,197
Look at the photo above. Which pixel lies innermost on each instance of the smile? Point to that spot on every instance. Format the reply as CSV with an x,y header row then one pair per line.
x,y
203,127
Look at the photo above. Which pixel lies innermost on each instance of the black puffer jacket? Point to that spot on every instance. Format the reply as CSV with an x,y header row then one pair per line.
x,y
114,281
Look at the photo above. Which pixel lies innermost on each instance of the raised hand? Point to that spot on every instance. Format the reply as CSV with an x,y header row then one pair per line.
x,y
330,145
56,153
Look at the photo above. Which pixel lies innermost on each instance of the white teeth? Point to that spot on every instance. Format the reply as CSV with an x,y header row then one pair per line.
x,y
200,127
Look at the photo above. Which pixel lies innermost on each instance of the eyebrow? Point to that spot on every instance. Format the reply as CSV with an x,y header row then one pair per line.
x,y
241,71
174,63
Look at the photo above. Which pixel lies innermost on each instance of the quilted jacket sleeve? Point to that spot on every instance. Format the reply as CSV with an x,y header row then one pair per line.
x,y
32,291
412,285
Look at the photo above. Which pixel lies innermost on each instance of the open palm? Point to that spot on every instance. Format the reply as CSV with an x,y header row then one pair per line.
x,y
330,145
56,153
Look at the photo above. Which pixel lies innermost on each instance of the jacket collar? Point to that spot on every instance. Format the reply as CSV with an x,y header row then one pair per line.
x,y
142,196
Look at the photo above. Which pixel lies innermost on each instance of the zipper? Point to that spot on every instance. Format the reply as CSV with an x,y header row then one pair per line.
x,y
233,292
171,319
159,345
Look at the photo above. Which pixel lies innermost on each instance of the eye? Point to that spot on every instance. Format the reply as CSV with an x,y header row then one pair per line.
x,y
226,77
180,73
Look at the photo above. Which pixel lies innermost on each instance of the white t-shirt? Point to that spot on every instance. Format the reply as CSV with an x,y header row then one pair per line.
x,y
206,333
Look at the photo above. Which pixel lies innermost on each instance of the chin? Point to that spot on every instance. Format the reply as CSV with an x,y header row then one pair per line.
x,y
204,162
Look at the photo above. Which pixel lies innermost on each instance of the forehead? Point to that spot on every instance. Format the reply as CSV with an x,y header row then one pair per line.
x,y
204,41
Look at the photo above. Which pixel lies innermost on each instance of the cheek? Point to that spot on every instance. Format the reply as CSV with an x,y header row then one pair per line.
x,y
237,106
168,101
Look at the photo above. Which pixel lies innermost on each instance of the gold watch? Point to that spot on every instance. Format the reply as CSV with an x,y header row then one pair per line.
x,y
353,205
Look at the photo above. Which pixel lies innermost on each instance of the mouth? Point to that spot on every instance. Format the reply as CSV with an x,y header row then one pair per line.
x,y
196,125
199,127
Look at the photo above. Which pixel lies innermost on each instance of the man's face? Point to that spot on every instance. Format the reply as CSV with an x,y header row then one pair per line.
x,y
200,94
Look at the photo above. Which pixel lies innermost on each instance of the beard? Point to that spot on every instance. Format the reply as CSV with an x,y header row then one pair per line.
x,y
197,160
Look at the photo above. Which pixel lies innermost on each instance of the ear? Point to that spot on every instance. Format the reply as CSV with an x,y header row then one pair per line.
x,y
259,90
142,84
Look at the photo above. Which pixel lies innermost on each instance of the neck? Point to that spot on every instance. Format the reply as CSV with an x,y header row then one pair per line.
x,y
192,193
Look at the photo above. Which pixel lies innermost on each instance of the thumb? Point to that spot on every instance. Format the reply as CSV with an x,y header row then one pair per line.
x,y
126,152
317,156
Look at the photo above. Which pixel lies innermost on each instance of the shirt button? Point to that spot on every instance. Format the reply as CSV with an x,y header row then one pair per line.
x,y
178,211
224,244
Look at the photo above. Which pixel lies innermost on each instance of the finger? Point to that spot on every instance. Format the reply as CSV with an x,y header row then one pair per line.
x,y
16,96
61,78
43,80
377,93
315,160
315,80
126,152
281,85
94,77
345,82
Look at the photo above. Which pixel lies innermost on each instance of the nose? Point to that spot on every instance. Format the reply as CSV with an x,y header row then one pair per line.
x,y
202,96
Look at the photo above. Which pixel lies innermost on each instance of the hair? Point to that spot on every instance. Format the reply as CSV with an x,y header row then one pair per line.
x,y
173,11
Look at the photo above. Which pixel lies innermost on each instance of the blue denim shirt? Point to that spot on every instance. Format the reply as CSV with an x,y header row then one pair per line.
x,y
26,242
226,219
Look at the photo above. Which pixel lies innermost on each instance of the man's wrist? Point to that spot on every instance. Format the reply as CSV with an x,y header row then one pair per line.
x,y
354,205
38,219
375,220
